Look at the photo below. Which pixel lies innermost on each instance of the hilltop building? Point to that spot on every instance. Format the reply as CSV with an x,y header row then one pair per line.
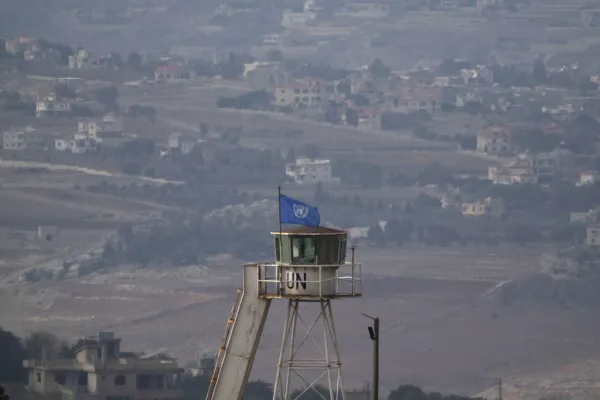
x,y
99,130
490,206
592,235
306,171
22,139
52,106
306,93
495,140
101,371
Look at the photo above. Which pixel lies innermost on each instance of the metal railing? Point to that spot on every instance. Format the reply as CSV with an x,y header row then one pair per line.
x,y
328,281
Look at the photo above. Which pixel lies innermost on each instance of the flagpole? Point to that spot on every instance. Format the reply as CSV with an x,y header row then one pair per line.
x,y
279,208
278,262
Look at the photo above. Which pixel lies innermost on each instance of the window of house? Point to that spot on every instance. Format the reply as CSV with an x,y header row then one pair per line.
x,y
61,379
120,380
82,379
38,376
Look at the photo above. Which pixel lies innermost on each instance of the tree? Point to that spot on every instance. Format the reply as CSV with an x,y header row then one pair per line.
x,y
310,150
364,174
134,60
352,117
255,100
274,55
320,194
42,344
258,390
376,236
107,96
137,148
204,128
115,60
12,355
3,395
407,392
194,387
399,232
290,156
378,69
539,74
63,91
130,168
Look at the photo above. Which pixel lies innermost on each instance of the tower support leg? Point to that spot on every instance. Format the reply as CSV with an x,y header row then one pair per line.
x,y
309,361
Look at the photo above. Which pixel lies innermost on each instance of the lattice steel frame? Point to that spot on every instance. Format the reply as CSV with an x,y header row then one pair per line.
x,y
291,365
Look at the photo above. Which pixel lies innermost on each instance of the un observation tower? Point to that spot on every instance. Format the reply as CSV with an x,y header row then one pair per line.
x,y
309,271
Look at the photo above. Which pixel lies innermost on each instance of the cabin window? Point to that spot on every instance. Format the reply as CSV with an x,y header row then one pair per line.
x,y
277,249
304,250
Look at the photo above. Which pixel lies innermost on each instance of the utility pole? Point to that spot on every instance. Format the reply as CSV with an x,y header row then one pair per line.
x,y
499,388
374,335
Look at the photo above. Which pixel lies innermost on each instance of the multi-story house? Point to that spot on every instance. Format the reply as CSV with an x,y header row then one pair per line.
x,y
588,178
20,45
364,10
593,235
413,99
78,145
495,140
369,119
99,130
306,93
101,371
80,59
51,105
171,72
531,168
291,19
490,206
306,171
22,139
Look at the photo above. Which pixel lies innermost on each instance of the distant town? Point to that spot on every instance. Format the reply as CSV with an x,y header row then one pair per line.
x,y
456,141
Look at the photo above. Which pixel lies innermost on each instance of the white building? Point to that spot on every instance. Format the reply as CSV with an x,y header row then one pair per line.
x,y
306,93
100,130
77,145
22,139
50,105
495,140
291,19
593,235
82,59
365,10
306,171
588,178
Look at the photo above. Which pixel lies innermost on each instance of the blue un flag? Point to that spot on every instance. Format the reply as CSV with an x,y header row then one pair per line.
x,y
295,212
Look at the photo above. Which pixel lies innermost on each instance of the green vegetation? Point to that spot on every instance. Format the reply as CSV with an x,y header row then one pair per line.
x,y
3,395
257,100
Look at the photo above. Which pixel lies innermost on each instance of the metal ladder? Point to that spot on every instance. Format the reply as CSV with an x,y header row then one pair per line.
x,y
223,348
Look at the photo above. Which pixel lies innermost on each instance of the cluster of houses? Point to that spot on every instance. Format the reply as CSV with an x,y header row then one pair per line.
x,y
422,91
90,134
524,167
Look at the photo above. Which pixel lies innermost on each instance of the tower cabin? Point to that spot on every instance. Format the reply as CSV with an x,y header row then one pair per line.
x,y
308,262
